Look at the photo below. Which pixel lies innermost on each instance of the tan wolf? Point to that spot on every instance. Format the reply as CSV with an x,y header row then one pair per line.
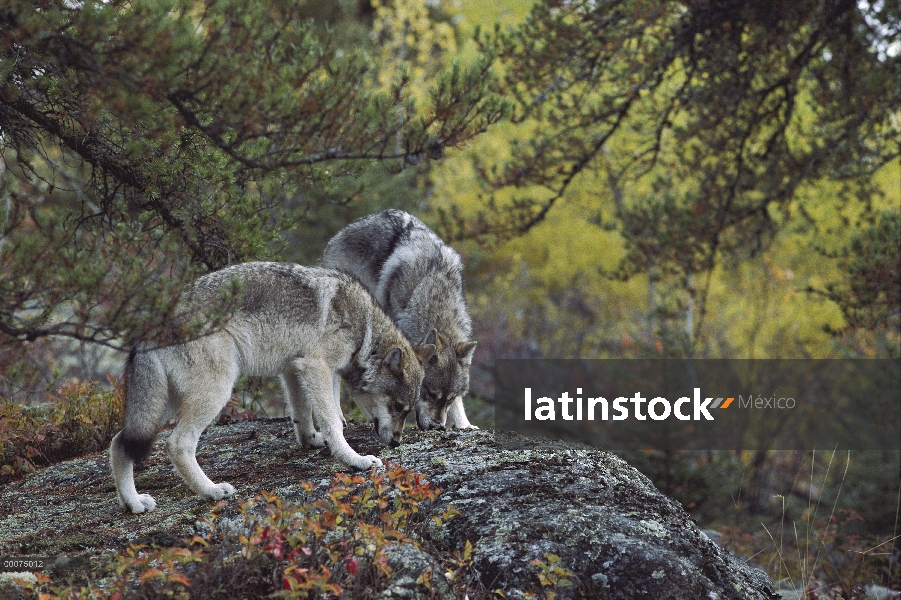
x,y
308,325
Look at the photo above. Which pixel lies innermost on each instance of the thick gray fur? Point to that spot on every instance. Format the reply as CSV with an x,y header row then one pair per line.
x,y
418,280
307,325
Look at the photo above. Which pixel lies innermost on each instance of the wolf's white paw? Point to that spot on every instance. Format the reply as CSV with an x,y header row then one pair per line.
x,y
315,440
218,491
464,426
142,503
364,463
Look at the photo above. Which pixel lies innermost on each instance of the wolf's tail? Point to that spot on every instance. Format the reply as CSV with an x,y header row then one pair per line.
x,y
146,402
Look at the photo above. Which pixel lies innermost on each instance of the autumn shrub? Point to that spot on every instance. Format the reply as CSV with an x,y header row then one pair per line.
x,y
337,544
80,418
23,436
340,543
86,417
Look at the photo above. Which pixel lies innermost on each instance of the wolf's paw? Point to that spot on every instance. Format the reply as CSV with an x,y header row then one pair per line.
x,y
142,503
218,491
364,463
314,440
460,425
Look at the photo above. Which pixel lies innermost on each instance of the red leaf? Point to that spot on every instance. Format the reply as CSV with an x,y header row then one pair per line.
x,y
352,565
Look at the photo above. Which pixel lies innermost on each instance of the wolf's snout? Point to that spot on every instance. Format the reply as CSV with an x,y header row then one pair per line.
x,y
386,435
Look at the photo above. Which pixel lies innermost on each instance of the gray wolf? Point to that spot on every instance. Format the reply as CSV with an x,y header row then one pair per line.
x,y
307,325
417,279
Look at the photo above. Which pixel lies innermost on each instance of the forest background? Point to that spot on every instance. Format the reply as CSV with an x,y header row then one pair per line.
x,y
623,179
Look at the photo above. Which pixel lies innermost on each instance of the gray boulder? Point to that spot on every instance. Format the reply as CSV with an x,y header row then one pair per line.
x,y
520,500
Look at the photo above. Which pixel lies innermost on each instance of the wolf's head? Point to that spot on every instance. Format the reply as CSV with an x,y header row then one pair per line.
x,y
446,378
392,388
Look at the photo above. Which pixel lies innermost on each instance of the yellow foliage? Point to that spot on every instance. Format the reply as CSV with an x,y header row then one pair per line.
x,y
755,306
408,38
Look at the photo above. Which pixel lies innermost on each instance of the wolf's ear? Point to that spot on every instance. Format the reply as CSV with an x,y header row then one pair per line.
x,y
464,352
424,352
433,338
394,360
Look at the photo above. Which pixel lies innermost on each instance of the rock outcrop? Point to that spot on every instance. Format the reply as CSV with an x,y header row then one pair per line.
x,y
519,499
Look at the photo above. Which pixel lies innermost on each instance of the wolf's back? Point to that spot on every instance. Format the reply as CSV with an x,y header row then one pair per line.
x,y
362,248
412,273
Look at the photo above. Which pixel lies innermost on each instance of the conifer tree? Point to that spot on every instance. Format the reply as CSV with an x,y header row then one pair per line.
x,y
148,141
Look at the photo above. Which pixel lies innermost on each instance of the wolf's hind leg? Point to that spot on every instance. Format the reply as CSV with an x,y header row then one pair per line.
x,y
315,376
456,416
123,474
199,408
147,407
301,410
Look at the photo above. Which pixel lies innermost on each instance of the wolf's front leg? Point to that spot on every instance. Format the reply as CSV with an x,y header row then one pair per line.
x,y
456,416
301,409
315,376
336,392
